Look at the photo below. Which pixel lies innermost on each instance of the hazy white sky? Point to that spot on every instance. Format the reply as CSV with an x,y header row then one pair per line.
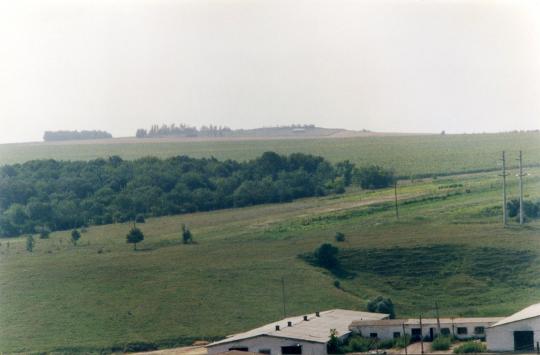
x,y
382,65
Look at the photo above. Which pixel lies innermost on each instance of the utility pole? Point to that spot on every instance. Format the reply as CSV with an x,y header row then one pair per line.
x,y
438,319
504,187
404,337
395,199
521,217
283,296
421,336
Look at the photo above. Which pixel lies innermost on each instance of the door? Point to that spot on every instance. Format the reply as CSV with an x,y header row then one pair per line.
x,y
524,341
431,330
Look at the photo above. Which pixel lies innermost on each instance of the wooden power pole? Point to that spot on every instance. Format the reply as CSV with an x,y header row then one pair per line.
x,y
521,216
504,188
395,200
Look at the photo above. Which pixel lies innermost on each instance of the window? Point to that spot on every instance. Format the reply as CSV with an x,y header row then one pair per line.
x,y
291,350
445,331
462,330
265,351
479,330
239,348
416,334
397,335
373,335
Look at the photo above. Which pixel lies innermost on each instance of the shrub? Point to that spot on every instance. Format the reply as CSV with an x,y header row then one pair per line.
x,y
386,344
470,347
75,236
140,346
326,256
337,284
340,237
44,233
403,341
140,218
441,343
382,305
359,344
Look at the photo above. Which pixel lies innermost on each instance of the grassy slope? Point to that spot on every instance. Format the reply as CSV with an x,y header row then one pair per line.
x,y
63,296
408,155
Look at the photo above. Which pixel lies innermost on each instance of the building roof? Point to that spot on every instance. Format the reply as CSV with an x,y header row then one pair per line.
x,y
315,329
425,321
526,313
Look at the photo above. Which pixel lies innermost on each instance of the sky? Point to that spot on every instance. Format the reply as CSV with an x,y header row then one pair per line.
x,y
408,66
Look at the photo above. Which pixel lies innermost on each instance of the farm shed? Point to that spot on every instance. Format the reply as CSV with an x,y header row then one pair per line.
x,y
461,328
519,332
306,334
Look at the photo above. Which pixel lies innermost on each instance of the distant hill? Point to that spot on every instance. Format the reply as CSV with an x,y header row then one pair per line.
x,y
51,136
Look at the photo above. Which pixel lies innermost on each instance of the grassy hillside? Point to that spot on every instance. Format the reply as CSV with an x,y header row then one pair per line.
x,y
408,155
103,293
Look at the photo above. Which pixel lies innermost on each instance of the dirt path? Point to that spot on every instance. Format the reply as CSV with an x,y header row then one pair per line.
x,y
187,350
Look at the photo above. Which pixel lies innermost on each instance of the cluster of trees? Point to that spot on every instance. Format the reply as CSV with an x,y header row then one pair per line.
x,y
44,195
531,209
74,135
181,130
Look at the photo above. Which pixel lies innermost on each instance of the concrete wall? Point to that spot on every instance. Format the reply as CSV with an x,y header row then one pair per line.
x,y
387,331
273,343
501,338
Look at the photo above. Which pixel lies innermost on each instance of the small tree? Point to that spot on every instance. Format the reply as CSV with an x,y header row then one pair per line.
x,y
187,237
134,236
340,237
326,256
382,305
29,243
75,236
333,345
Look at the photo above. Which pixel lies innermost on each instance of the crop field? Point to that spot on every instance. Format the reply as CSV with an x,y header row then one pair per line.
x,y
447,246
407,155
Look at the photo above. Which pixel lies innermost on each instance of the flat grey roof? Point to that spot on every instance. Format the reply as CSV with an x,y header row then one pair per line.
x,y
315,329
425,321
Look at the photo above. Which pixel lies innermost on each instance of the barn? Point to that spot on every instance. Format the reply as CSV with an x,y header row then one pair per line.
x,y
307,334
519,332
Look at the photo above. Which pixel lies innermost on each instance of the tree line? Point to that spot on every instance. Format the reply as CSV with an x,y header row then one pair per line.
x,y
47,195
181,130
74,135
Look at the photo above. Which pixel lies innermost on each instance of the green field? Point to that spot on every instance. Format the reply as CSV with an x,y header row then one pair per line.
x,y
408,155
102,293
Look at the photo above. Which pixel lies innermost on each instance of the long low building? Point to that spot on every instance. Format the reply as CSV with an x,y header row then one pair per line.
x,y
519,332
460,328
307,334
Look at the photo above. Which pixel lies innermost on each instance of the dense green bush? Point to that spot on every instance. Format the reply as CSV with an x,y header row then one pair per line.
x,y
403,341
382,305
386,344
373,177
326,256
359,344
60,195
441,343
470,347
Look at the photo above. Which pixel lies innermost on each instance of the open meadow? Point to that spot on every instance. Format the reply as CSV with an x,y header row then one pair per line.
x,y
407,155
101,294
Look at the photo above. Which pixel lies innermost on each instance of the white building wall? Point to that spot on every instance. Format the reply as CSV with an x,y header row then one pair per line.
x,y
501,338
387,331
259,343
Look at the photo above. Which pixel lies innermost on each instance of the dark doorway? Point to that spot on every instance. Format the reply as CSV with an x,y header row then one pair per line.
x,y
416,334
239,348
524,341
431,331
291,350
